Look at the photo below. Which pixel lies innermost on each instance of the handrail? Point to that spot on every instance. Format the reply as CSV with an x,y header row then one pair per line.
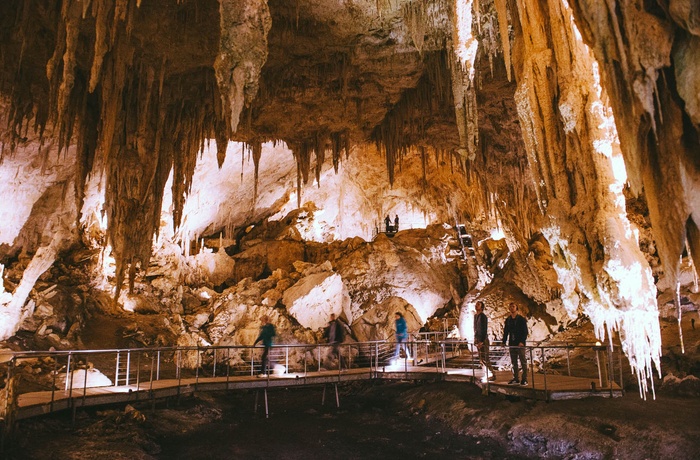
x,y
201,362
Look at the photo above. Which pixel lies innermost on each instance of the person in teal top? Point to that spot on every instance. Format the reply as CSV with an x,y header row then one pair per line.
x,y
267,332
401,335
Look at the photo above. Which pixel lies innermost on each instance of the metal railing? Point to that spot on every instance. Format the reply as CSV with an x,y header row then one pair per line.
x,y
74,372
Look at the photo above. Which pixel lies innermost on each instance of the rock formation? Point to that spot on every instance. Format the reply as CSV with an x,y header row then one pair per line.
x,y
569,126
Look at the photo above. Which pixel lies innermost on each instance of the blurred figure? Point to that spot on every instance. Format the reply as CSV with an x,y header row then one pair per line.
x,y
401,336
267,332
335,334
481,340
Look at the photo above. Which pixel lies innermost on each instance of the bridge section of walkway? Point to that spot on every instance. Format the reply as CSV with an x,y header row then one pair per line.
x,y
38,383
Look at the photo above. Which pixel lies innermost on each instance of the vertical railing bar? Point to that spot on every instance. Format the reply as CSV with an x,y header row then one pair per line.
x,y
228,365
568,361
158,367
68,371
286,359
196,371
214,371
138,372
116,371
53,387
85,380
128,366
544,372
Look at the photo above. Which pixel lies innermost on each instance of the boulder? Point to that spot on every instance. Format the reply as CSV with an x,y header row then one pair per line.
x,y
378,322
313,298
83,378
217,267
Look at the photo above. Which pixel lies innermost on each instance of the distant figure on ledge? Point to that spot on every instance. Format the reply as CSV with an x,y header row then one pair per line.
x,y
387,221
396,223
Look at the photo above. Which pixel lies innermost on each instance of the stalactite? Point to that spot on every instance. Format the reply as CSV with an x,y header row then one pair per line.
x,y
571,147
242,53
257,153
502,12
320,150
464,46
404,125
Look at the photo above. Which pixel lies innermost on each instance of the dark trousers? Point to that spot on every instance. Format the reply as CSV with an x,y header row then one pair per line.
x,y
265,365
335,351
515,354
485,359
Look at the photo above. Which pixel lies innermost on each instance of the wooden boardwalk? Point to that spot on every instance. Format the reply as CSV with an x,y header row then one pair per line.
x,y
549,387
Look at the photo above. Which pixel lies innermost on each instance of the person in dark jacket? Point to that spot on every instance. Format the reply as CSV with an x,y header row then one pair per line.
x,y
401,335
267,332
335,334
515,331
387,223
481,340
396,223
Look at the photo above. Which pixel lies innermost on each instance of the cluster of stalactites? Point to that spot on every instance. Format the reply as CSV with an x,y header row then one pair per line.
x,y
653,91
573,148
404,126
107,95
318,145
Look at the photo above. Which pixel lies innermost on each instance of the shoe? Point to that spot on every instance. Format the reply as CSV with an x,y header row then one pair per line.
x,y
262,376
523,383
513,382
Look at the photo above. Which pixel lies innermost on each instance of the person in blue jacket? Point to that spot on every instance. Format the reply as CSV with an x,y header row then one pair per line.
x,y
401,336
515,331
267,332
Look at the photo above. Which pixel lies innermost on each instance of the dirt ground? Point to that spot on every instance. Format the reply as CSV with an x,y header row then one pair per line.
x,y
375,421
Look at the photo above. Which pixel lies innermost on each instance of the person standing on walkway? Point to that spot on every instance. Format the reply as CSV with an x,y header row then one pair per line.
x,y
481,340
515,331
396,223
267,332
335,334
387,223
401,336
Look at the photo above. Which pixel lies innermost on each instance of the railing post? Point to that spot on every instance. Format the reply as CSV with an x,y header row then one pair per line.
x,y
68,375
53,386
116,371
568,360
196,370
532,373
128,367
611,370
319,358
85,380
252,362
138,373
214,371
286,359
228,365
544,372
158,366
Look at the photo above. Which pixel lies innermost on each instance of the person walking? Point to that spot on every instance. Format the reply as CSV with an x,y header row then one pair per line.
x,y
267,332
481,340
401,336
515,330
335,334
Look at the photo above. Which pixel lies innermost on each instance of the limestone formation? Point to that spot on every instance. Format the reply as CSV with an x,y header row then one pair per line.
x,y
285,132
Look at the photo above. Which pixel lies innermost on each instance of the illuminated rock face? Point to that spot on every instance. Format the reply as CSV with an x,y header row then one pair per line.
x,y
492,113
